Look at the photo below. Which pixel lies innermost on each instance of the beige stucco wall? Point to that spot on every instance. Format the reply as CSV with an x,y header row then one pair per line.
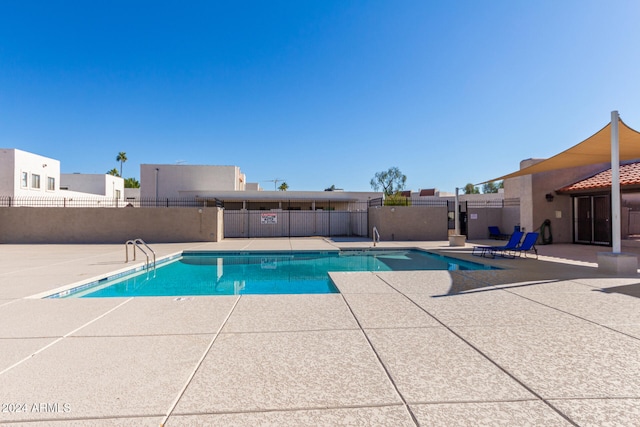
x,y
521,188
534,207
559,210
479,220
409,222
109,225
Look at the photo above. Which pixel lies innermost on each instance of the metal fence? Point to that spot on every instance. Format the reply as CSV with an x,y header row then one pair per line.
x,y
408,201
500,203
103,202
61,202
245,223
299,219
415,201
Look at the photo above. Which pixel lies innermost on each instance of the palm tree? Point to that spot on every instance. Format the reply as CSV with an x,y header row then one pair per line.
x,y
113,172
122,157
131,183
283,187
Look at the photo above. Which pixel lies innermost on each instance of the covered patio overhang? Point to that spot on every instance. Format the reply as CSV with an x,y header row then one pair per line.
x,y
270,196
288,200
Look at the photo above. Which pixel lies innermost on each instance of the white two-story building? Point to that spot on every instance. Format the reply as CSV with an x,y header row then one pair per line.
x,y
25,177
24,174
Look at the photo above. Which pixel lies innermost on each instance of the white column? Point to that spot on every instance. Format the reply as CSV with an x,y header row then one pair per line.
x,y
615,184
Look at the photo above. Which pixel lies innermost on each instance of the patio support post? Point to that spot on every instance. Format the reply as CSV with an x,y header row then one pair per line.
x,y
615,185
616,262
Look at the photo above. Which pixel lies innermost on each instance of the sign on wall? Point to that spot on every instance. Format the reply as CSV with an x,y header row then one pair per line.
x,y
269,218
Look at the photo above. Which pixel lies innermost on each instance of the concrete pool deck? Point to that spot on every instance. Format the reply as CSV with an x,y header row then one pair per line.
x,y
542,342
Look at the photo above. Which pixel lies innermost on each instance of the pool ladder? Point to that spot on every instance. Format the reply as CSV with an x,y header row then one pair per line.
x,y
139,243
376,236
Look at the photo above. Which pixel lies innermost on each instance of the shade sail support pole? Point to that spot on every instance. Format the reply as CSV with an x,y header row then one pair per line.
x,y
615,185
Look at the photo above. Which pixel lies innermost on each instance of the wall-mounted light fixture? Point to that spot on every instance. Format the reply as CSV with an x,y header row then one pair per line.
x,y
549,197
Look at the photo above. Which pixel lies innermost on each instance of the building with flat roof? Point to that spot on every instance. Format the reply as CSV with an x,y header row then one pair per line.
x,y
164,181
24,174
228,185
98,184
27,176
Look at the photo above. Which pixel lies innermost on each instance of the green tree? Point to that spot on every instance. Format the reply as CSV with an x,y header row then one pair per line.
x,y
283,187
470,189
492,187
390,181
131,183
113,172
397,200
122,157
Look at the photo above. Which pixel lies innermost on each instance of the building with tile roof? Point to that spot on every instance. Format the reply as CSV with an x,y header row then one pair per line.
x,y
601,181
576,201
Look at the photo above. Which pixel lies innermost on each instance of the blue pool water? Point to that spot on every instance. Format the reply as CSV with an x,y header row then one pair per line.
x,y
202,273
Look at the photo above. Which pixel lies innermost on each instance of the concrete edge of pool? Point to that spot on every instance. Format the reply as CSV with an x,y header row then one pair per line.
x,y
87,286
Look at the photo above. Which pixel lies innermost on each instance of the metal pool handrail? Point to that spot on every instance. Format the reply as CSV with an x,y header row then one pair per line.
x,y
137,244
375,235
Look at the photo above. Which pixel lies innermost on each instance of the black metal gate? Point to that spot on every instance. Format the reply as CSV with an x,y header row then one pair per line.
x,y
462,216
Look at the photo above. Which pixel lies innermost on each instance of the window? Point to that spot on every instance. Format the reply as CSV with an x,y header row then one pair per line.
x,y
118,194
25,180
51,183
35,181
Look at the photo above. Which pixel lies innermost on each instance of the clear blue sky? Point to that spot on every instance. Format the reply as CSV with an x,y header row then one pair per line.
x,y
317,92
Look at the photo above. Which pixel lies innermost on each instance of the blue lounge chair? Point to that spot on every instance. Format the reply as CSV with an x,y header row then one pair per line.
x,y
527,245
495,233
511,245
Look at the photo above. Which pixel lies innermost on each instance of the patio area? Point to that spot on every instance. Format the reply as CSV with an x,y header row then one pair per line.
x,y
541,342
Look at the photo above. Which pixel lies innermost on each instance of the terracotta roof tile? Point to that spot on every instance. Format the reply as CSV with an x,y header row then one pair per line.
x,y
629,175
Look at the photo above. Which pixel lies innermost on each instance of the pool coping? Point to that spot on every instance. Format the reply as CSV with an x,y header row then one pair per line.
x,y
65,290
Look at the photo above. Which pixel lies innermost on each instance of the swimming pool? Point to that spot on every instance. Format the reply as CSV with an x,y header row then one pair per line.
x,y
223,273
